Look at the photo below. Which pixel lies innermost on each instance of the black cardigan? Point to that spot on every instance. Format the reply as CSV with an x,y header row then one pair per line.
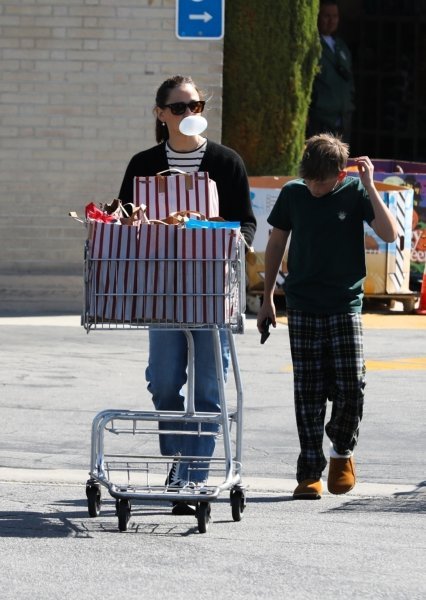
x,y
222,164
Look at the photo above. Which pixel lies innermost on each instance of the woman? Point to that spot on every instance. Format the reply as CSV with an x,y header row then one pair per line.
x,y
166,374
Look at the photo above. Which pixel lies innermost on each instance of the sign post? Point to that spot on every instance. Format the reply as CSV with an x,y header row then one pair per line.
x,y
200,19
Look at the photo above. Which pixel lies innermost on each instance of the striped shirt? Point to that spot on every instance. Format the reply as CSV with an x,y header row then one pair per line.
x,y
186,161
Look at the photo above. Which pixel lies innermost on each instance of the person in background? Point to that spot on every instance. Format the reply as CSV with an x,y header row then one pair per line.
x,y
332,100
324,212
179,97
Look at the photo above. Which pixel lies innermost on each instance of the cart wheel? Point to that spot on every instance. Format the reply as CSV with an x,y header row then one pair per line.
x,y
93,494
203,516
123,514
238,504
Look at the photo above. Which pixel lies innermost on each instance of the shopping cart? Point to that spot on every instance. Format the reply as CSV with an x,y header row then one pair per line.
x,y
142,477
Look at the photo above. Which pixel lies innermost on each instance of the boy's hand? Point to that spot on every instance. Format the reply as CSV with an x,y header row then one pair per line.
x,y
365,169
265,334
265,318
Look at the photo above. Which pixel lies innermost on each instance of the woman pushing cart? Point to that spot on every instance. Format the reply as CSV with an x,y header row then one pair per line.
x,y
196,355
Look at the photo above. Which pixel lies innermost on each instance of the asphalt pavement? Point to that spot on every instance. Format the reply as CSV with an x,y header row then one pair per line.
x,y
369,543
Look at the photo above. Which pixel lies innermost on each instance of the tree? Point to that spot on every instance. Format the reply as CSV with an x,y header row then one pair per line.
x,y
271,53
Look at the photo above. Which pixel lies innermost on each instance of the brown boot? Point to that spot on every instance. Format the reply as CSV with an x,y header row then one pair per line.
x,y
308,489
341,475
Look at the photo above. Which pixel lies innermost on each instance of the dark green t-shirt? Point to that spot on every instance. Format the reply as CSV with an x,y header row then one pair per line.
x,y
326,260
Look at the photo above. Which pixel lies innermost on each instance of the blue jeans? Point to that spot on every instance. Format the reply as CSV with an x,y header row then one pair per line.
x,y
166,374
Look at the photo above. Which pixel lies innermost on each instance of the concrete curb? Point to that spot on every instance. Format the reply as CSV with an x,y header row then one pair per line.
x,y
253,484
391,320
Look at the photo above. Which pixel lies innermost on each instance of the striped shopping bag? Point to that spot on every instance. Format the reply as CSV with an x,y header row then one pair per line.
x,y
111,271
203,275
163,195
131,273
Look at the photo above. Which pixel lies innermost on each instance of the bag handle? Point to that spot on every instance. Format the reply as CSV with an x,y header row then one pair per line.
x,y
160,222
180,215
137,216
75,216
162,178
173,170
114,207
175,218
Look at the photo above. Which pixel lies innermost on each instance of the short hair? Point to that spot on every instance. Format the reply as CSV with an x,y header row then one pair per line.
x,y
324,156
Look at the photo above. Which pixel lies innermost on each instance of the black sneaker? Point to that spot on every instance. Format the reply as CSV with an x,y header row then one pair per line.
x,y
183,509
172,479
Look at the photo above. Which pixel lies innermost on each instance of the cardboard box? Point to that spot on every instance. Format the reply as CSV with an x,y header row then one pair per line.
x,y
264,192
411,175
388,265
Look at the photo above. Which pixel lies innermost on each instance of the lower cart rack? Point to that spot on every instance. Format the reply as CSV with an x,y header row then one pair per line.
x,y
145,477
189,295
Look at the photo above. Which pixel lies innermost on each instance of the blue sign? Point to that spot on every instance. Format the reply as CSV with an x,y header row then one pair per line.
x,y
200,19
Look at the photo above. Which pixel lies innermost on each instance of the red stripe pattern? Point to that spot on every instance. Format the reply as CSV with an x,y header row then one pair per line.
x,y
164,195
162,273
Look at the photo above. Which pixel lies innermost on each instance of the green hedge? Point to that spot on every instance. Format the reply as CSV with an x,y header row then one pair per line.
x,y
271,52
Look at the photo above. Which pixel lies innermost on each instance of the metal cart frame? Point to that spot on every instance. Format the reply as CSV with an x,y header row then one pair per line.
x,y
152,468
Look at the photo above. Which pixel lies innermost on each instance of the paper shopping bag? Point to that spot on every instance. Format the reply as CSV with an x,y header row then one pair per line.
x,y
207,294
155,273
132,272
186,191
111,276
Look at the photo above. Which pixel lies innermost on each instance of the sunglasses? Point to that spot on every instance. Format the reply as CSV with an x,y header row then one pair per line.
x,y
179,108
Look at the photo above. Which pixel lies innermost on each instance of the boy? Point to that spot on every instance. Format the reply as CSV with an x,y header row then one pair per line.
x,y
324,212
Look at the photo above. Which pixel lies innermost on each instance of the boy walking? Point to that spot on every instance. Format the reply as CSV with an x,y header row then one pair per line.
x,y
324,211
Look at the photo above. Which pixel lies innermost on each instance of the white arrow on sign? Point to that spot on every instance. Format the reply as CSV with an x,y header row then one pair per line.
x,y
206,17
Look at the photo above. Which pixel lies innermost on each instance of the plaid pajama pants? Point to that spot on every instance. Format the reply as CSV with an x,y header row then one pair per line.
x,y
328,363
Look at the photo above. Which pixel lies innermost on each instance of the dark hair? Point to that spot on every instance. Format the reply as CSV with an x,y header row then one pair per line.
x,y
328,2
162,98
325,155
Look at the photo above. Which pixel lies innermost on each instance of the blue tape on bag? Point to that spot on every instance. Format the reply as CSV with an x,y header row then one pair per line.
x,y
196,224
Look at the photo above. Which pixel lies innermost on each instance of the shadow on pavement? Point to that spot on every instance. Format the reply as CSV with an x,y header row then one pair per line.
x,y
26,524
402,502
69,518
77,523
